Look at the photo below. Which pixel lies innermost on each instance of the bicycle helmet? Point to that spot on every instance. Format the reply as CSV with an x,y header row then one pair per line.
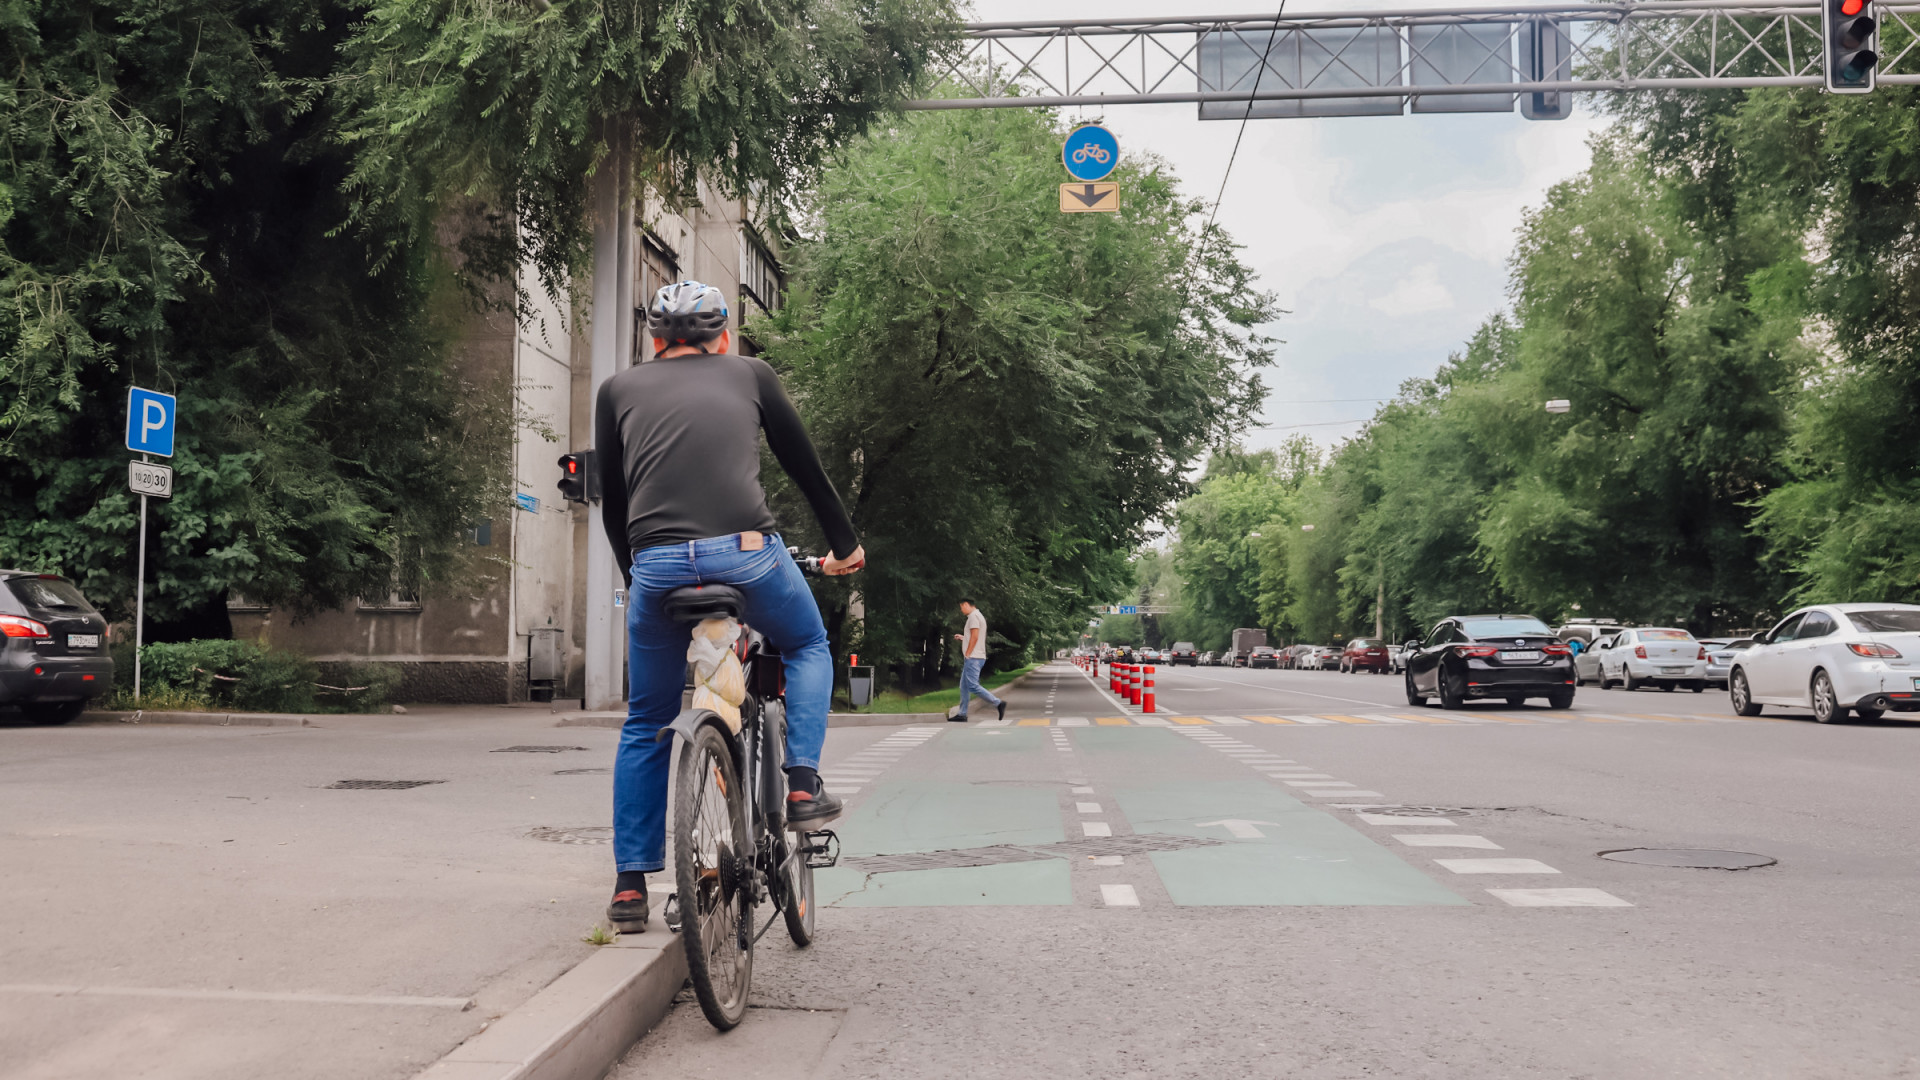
x,y
687,313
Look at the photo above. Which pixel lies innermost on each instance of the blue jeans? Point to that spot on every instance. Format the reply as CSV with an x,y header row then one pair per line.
x,y
970,684
779,605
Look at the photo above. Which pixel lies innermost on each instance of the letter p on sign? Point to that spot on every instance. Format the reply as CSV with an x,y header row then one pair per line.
x,y
150,417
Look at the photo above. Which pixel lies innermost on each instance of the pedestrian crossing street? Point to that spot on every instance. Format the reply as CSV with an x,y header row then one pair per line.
x,y
1436,719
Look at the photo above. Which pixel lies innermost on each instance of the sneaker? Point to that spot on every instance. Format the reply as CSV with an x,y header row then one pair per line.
x,y
806,812
960,718
1003,710
628,912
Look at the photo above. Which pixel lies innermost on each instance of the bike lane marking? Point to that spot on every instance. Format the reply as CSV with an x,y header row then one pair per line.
x,y
975,789
1300,855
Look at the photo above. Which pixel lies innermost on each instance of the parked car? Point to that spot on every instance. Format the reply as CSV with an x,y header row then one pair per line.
x,y
1206,658
1662,656
1265,656
1183,652
1364,654
1588,631
1396,658
1833,659
1149,656
1326,657
1296,657
53,647
1720,653
1483,656
1586,662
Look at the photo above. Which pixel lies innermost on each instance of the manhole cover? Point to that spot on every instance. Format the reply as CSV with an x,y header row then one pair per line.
x,y
1704,859
535,749
580,834
580,772
380,785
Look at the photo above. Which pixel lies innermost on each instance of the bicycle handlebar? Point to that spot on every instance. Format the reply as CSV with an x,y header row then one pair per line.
x,y
814,565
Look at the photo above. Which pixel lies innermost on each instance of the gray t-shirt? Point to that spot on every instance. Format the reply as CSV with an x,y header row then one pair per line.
x,y
975,621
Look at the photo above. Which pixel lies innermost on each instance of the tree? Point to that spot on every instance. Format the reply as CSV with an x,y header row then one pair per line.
x,y
1006,394
167,205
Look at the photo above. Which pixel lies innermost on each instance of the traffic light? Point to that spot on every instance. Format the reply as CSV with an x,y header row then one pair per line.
x,y
578,482
1852,38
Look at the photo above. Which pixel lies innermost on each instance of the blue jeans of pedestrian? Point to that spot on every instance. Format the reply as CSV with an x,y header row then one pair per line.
x,y
970,684
779,605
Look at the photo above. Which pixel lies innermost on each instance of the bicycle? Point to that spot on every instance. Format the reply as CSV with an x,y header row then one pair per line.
x,y
732,850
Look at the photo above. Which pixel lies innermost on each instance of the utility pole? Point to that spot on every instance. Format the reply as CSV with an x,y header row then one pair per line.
x,y
611,348
1380,602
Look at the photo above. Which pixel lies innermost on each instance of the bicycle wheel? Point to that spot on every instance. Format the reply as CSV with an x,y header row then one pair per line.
x,y
711,872
798,879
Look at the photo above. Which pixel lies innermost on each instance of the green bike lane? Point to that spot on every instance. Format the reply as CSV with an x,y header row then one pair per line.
x,y
1061,803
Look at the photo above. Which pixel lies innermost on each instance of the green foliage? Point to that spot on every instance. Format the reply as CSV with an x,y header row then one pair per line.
x,y
172,195
510,103
239,675
1005,393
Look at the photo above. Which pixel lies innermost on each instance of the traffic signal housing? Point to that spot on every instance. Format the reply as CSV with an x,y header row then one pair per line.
x,y
579,483
1851,36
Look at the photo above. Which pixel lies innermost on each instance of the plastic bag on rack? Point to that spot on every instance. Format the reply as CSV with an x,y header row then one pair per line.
x,y
719,683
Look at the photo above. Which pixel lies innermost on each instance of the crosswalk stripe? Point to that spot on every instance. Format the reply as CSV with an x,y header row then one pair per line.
x,y
1383,718
1071,721
1311,720
1230,721
1034,723
1112,721
1188,720
1268,720
1347,719
1150,721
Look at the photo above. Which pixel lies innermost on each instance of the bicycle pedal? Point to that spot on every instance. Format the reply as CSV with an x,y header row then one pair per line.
x,y
822,849
671,914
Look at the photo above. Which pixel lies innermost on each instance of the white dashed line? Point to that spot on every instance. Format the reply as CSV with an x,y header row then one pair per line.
x,y
1558,898
1119,896
1446,840
1496,866
1095,828
1087,807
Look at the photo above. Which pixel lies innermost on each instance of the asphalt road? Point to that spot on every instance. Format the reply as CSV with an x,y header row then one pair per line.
x,y
1245,919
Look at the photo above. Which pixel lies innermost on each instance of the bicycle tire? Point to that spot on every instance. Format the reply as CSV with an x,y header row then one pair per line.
x,y
799,889
714,883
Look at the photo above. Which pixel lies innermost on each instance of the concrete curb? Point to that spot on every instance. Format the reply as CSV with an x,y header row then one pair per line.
x,y
580,1025
146,716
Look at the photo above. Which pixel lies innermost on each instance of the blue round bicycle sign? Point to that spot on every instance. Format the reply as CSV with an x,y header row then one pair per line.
x,y
1090,153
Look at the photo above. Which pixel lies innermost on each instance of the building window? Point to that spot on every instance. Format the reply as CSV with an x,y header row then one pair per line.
x,y
760,277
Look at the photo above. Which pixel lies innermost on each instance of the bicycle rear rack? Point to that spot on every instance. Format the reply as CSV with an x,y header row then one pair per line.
x,y
822,849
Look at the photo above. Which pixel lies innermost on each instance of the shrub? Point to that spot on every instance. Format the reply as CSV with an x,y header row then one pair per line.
x,y
277,682
363,688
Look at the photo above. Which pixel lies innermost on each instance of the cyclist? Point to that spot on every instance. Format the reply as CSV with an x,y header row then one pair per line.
x,y
679,462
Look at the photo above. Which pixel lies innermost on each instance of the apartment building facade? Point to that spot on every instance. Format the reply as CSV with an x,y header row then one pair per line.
x,y
518,627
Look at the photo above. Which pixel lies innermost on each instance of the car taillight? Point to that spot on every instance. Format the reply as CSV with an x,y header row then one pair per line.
x,y
1555,650
1640,651
1703,653
1480,650
15,626
1874,649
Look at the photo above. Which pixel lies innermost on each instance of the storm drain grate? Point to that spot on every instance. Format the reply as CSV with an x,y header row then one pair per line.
x,y
579,834
1000,854
535,749
379,785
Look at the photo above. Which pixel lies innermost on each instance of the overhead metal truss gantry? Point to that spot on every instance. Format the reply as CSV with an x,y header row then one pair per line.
x,y
1478,59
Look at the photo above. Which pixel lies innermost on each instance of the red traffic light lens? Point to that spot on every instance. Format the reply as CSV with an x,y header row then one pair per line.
x,y
1852,7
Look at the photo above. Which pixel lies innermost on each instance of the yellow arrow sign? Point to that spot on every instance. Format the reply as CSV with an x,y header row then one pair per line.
x,y
1089,198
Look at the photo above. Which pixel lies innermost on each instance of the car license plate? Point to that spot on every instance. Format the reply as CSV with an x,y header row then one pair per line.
x,y
1916,683
1521,654
1673,671
83,641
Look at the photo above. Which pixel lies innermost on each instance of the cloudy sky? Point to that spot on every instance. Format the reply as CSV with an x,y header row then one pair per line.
x,y
1386,238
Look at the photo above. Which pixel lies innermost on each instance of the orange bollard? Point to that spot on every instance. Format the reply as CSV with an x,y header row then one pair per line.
x,y
1133,684
1146,704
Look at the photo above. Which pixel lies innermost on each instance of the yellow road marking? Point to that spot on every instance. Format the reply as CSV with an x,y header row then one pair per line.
x,y
1189,720
1507,719
1034,723
1344,719
1426,718
1268,720
1111,721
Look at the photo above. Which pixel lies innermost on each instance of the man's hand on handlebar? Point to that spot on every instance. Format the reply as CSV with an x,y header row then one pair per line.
x,y
835,566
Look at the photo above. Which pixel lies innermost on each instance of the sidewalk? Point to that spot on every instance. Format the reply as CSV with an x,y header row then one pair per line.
x,y
234,916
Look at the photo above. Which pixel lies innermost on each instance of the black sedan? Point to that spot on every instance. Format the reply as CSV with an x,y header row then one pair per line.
x,y
1489,656
53,647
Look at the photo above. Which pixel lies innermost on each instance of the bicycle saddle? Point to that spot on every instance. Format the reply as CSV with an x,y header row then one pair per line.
x,y
692,603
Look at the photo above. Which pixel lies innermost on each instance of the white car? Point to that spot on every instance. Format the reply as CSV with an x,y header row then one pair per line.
x,y
1833,658
1658,655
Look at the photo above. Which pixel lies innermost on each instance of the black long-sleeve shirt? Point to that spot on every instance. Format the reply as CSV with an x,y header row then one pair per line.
x,y
679,459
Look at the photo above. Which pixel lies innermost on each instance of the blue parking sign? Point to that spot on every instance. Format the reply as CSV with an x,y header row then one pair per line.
x,y
149,422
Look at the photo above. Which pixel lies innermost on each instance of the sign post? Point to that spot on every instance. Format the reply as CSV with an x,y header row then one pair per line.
x,y
150,424
1091,153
